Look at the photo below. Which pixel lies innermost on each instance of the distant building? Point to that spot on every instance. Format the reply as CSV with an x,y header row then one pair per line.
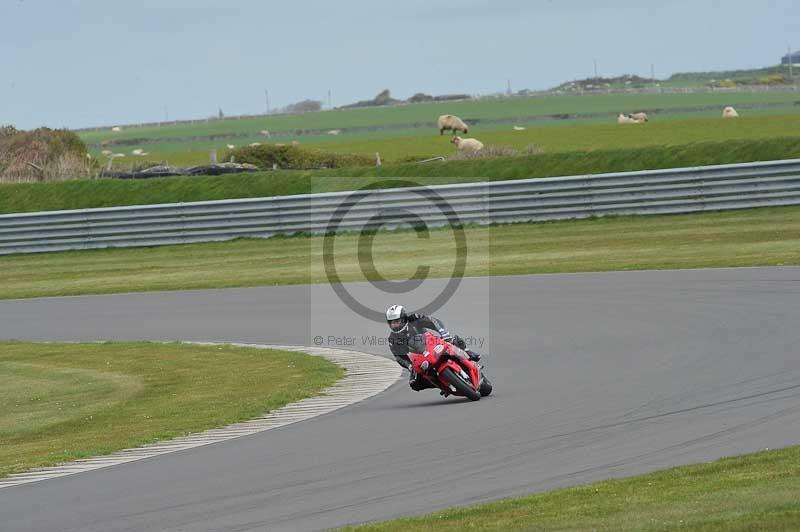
x,y
793,57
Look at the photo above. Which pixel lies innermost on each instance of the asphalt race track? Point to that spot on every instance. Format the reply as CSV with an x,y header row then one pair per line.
x,y
596,375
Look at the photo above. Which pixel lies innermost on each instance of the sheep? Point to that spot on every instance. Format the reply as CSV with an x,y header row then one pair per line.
x,y
729,112
254,144
467,145
519,128
107,153
334,131
116,128
264,133
622,119
231,146
452,123
639,117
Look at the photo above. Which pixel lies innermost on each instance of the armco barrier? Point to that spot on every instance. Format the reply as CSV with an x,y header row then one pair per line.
x,y
680,190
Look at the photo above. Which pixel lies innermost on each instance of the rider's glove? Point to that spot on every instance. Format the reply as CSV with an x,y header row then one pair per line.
x,y
414,317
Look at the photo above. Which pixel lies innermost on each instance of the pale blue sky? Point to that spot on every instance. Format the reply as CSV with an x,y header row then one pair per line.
x,y
76,63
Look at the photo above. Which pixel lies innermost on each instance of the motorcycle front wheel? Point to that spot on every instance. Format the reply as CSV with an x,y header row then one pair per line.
x,y
463,387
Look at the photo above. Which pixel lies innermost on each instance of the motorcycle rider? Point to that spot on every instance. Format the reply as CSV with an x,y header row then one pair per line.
x,y
404,326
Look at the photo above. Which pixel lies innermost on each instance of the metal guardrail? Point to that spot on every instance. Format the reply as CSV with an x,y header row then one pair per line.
x,y
681,190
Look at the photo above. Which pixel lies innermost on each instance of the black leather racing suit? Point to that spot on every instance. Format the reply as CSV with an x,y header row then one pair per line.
x,y
417,324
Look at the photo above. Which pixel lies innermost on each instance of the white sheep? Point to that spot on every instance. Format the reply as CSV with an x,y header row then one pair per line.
x,y
264,133
639,117
452,123
467,145
254,144
334,131
231,146
519,128
729,112
622,119
116,128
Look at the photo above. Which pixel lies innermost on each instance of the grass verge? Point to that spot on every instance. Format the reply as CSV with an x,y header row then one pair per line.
x,y
745,493
757,237
78,194
61,402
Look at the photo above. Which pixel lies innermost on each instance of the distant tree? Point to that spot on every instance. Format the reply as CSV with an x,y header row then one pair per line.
x,y
420,97
304,106
383,98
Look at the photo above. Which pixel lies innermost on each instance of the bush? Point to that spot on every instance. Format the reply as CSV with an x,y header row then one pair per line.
x,y
295,158
382,98
43,154
305,106
449,97
420,97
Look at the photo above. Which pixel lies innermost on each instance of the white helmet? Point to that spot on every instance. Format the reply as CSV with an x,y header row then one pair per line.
x,y
397,318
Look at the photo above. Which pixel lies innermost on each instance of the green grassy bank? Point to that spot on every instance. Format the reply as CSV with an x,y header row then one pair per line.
x,y
61,402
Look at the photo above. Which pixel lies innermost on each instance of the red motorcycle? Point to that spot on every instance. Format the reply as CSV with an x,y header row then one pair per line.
x,y
447,367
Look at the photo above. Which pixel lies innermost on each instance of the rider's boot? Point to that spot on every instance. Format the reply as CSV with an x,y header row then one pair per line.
x,y
418,383
472,355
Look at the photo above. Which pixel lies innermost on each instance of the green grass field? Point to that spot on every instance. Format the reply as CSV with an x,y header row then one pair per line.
x,y
428,112
61,402
590,137
757,492
75,194
175,143
549,137
759,237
